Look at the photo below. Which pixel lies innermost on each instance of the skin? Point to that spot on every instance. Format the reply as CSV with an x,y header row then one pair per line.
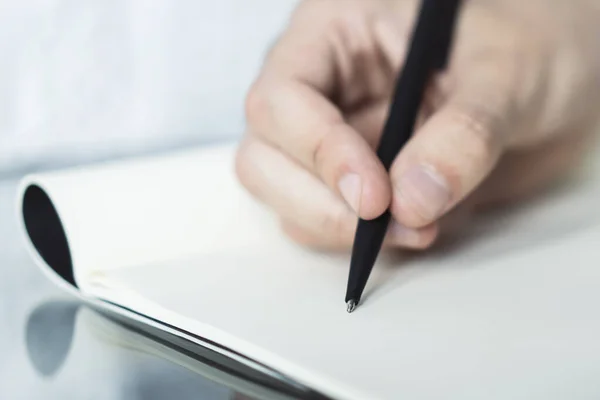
x,y
514,112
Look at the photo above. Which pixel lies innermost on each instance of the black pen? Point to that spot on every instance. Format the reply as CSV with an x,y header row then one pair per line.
x,y
429,49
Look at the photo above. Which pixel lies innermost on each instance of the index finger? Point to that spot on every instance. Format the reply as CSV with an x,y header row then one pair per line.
x,y
289,107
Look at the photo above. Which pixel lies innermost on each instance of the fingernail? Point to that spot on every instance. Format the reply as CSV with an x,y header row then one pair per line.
x,y
400,234
422,190
350,187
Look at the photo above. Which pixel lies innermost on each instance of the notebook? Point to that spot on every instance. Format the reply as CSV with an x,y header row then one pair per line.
x,y
509,310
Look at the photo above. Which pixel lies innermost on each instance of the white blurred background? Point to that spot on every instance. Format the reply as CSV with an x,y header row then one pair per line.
x,y
82,80
87,80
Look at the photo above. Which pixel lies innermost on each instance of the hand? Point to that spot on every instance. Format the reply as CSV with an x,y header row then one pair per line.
x,y
513,112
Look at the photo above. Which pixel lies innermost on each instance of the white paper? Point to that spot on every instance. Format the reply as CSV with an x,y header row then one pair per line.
x,y
157,208
511,312
521,324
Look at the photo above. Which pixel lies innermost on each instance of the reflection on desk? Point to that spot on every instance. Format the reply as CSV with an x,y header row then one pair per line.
x,y
157,365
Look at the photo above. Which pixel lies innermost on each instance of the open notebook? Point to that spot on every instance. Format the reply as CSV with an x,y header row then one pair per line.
x,y
509,311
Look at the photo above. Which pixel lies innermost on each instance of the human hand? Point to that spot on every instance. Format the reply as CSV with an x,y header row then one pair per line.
x,y
514,111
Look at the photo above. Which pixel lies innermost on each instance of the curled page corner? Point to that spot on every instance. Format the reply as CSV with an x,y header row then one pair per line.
x,y
131,213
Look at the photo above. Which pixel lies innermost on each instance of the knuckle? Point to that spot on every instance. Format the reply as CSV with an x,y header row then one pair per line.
x,y
480,138
319,148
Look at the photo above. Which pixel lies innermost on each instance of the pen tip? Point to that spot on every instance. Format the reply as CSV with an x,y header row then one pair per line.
x,y
351,305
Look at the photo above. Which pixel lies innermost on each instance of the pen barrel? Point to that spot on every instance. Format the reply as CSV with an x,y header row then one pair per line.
x,y
367,244
445,37
427,53
410,87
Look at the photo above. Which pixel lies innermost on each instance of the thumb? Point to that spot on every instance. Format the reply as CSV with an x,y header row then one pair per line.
x,y
453,152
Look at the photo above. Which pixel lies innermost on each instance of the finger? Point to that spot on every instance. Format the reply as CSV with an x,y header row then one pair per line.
x,y
307,127
398,236
289,107
291,191
296,195
451,154
369,121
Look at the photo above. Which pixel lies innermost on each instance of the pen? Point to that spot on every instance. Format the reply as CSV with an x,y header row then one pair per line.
x,y
429,49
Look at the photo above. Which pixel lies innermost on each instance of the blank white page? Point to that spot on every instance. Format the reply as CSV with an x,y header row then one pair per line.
x,y
512,313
